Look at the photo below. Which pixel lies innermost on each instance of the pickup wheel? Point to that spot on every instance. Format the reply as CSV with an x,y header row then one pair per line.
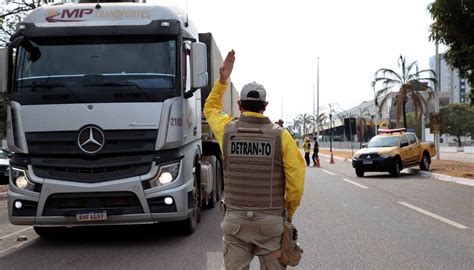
x,y
425,162
397,167
360,172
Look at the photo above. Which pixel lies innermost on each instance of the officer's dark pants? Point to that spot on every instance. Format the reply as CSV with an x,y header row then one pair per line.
x,y
306,157
252,233
315,157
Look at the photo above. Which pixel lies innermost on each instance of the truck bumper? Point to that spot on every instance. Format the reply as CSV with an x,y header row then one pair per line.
x,y
124,201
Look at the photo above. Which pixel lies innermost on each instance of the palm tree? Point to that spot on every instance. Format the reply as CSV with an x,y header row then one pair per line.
x,y
306,121
410,82
361,124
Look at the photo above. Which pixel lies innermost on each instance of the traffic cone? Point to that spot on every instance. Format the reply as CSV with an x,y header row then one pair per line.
x,y
317,163
331,161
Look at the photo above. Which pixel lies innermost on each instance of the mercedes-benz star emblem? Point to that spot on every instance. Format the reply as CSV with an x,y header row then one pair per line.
x,y
91,140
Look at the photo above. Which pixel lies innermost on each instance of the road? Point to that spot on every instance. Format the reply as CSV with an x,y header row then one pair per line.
x,y
345,222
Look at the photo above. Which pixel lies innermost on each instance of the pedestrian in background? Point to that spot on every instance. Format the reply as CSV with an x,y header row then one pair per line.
x,y
263,175
307,150
316,153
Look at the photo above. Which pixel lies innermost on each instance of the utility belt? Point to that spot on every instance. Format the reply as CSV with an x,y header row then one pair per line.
x,y
252,213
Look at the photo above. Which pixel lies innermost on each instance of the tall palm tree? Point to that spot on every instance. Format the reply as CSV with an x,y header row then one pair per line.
x,y
410,83
361,124
306,121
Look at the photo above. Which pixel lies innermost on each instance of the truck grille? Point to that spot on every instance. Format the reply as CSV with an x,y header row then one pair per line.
x,y
114,203
56,155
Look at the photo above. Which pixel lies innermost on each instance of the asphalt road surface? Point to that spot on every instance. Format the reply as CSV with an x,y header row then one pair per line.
x,y
344,222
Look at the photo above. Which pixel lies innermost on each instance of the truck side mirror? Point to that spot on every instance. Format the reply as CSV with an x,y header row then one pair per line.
x,y
199,65
3,69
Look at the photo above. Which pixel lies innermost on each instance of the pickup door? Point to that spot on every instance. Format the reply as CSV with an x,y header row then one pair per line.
x,y
414,151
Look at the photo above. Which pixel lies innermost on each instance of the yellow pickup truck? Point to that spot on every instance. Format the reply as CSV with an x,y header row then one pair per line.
x,y
391,151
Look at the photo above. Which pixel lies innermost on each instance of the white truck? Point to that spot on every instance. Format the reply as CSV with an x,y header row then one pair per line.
x,y
105,117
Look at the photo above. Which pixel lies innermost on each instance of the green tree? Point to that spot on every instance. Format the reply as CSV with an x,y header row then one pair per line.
x,y
305,121
457,119
453,24
12,13
410,82
414,124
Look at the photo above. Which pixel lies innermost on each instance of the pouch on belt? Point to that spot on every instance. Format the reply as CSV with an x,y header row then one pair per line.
x,y
290,249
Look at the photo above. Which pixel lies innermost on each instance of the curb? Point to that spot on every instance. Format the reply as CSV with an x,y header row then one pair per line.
x,y
436,176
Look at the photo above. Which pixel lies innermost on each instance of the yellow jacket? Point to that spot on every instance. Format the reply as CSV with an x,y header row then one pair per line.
x,y
293,163
307,146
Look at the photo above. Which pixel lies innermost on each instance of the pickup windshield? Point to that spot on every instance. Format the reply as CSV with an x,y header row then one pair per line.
x,y
383,141
96,69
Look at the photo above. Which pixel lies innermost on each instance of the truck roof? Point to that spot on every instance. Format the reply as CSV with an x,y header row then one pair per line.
x,y
110,14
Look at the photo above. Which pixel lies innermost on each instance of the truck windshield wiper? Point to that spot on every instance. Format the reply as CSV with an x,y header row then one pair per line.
x,y
122,84
50,86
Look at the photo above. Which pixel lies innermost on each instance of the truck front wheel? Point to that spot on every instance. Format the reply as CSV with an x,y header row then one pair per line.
x,y
190,224
397,167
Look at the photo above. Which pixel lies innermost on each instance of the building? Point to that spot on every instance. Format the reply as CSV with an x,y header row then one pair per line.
x,y
453,87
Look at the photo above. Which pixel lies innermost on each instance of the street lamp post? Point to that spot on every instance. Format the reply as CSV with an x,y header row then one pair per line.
x,y
330,143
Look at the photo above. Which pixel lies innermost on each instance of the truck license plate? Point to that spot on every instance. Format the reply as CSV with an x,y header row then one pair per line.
x,y
368,162
91,216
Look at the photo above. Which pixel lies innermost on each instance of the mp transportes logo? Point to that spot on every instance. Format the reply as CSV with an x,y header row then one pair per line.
x,y
91,140
68,15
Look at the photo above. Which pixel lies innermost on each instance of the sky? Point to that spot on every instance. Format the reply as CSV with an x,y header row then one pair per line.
x,y
277,44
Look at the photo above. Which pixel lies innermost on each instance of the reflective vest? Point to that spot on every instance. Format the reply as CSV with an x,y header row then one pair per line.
x,y
254,177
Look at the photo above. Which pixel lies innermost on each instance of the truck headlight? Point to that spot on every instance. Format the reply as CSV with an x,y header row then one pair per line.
x,y
20,179
356,156
167,174
384,155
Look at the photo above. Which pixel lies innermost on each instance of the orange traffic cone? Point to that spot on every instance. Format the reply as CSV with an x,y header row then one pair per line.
x,y
331,161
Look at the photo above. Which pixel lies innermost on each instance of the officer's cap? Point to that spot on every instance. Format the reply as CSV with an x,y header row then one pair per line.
x,y
253,91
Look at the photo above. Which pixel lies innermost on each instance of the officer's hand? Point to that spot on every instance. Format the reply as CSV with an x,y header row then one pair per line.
x,y
226,69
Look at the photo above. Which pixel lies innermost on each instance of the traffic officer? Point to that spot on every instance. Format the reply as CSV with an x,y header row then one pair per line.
x,y
263,175
307,150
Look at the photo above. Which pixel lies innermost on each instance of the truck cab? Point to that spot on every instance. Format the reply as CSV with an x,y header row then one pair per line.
x,y
105,117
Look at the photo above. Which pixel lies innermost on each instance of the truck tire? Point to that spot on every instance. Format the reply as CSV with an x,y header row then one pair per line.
x,y
360,172
425,162
397,167
189,225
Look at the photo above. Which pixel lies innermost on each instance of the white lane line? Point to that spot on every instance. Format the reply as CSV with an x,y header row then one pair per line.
x,y
328,172
354,183
450,222
13,233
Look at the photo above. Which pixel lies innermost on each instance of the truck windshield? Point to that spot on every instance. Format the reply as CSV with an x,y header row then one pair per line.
x,y
383,141
96,69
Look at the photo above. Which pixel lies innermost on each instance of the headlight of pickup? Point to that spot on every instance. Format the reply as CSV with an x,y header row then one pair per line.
x,y
167,174
20,179
356,156
384,155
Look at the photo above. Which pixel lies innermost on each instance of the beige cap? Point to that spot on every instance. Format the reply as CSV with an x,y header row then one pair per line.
x,y
253,91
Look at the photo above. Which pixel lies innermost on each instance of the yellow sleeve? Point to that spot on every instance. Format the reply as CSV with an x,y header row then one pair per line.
x,y
216,118
295,168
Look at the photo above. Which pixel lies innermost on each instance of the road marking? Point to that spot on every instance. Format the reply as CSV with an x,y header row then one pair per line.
x,y
13,233
354,183
450,222
328,172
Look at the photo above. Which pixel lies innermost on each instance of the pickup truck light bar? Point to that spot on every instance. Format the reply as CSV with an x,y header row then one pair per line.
x,y
390,131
